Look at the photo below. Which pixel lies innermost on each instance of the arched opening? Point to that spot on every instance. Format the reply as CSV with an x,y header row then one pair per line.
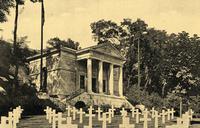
x,y
80,104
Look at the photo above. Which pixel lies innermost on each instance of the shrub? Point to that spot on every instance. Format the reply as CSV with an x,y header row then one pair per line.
x,y
138,96
105,107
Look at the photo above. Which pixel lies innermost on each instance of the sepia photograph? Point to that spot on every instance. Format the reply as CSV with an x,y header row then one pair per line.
x,y
99,63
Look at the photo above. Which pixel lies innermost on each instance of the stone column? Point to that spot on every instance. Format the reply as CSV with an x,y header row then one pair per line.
x,y
89,75
111,80
100,77
120,81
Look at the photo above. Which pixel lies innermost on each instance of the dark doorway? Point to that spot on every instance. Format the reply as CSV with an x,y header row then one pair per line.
x,y
80,104
82,82
94,83
104,86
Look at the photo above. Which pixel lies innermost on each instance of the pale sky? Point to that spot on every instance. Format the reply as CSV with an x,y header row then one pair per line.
x,y
72,18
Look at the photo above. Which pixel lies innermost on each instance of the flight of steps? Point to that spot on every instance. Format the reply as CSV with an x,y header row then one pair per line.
x,y
39,121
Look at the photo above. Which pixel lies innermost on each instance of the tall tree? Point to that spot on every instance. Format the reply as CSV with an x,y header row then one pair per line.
x,y
138,43
136,31
17,3
103,31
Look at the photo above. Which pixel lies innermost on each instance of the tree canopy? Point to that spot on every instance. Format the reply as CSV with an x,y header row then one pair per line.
x,y
167,61
57,43
5,6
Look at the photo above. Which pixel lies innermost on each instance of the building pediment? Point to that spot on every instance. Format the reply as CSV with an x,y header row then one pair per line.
x,y
106,49
109,49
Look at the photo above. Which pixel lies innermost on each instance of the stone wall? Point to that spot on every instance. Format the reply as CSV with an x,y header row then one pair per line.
x,y
61,73
67,73
34,72
53,76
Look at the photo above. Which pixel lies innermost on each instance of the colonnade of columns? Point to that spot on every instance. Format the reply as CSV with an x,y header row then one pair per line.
x,y
100,78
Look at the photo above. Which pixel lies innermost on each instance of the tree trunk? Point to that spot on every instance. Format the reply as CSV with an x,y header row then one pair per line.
x,y
41,51
139,77
146,78
15,82
145,86
163,90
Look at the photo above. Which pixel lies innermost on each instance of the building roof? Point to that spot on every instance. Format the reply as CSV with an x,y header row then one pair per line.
x,y
105,48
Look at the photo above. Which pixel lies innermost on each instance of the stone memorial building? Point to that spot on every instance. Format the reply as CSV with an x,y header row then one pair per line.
x,y
92,75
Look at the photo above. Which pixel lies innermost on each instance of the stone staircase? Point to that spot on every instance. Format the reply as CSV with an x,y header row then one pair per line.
x,y
74,94
88,98
41,122
60,103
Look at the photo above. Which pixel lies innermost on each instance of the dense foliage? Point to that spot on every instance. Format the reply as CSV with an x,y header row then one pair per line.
x,y
57,43
169,63
25,93
5,6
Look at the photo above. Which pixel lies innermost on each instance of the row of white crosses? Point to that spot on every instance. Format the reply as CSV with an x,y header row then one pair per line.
x,y
74,111
154,115
12,119
56,119
106,117
103,117
184,121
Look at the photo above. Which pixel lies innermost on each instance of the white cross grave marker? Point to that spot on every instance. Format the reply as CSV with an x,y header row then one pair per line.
x,y
126,123
163,114
109,115
137,116
156,116
68,110
133,111
3,123
20,110
57,118
104,120
68,124
186,119
190,112
50,115
183,122
113,110
47,111
168,114
145,118
90,115
11,121
99,111
123,112
80,112
60,119
54,119
17,114
74,113
152,112
172,113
